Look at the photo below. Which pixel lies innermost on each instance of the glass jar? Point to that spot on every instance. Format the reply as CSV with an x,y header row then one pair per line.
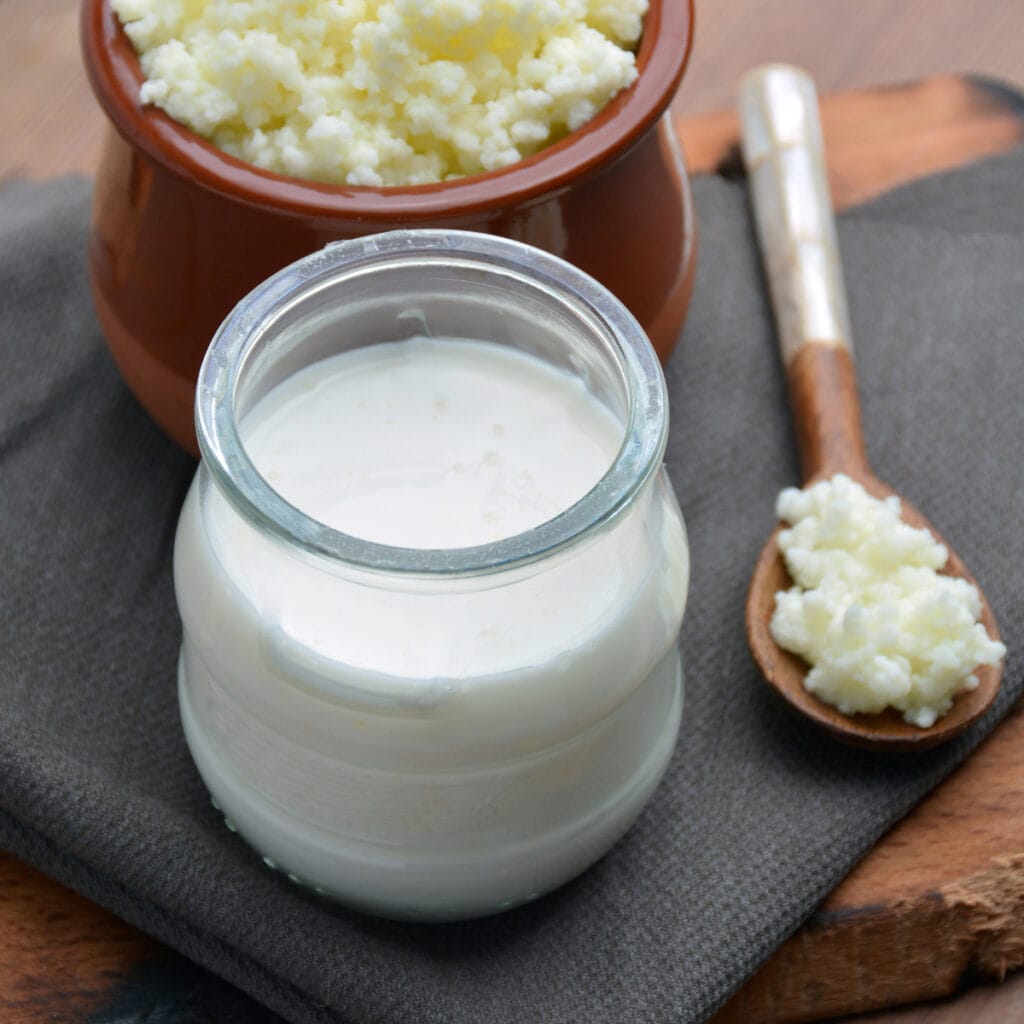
x,y
546,700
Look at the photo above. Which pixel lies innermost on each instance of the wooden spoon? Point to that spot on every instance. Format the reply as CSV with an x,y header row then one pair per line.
x,y
784,153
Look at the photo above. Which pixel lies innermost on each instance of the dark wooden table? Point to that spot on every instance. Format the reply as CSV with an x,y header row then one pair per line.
x,y
940,902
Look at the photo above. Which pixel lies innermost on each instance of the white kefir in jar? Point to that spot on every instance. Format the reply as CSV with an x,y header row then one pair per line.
x,y
432,443
430,602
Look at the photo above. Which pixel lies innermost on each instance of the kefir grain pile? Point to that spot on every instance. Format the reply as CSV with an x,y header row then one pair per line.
x,y
870,611
383,92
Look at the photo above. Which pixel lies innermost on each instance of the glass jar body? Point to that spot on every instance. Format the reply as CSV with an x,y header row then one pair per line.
x,y
452,793
432,733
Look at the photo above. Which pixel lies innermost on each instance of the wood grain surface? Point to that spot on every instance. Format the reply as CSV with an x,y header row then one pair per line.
x,y
940,902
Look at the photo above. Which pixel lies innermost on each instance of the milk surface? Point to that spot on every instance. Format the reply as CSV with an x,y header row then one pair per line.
x,y
431,443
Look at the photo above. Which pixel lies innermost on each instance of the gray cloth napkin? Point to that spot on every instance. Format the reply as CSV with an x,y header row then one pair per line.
x,y
759,817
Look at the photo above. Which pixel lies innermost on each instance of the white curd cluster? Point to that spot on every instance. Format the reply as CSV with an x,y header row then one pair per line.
x,y
383,92
870,612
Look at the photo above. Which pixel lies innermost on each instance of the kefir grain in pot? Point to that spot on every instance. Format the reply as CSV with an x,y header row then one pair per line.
x,y
431,574
383,92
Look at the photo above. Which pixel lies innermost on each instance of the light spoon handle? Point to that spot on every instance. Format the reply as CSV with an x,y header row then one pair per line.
x,y
784,154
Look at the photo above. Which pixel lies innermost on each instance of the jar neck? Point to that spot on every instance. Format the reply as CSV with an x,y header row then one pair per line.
x,y
449,283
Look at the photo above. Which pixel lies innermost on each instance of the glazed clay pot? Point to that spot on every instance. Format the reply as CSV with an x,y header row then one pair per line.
x,y
181,231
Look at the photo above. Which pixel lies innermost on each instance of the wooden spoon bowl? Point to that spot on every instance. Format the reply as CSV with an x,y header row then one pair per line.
x,y
784,154
785,672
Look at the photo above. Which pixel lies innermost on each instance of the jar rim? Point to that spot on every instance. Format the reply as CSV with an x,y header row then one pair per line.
x,y
116,76
224,454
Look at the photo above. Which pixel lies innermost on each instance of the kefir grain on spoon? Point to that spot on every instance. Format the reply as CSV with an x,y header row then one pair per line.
x,y
870,611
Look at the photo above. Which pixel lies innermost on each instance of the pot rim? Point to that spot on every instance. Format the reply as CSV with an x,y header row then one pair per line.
x,y
116,77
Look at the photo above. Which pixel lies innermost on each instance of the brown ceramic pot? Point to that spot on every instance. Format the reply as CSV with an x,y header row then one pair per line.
x,y
181,231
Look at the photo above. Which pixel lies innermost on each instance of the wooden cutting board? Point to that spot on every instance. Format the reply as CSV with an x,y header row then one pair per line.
x,y
938,901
